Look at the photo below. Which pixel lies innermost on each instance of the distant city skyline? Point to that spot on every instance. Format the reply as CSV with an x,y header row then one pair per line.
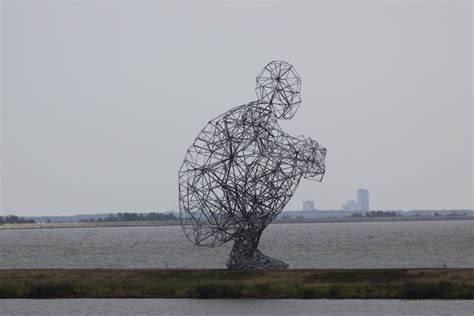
x,y
360,204
100,100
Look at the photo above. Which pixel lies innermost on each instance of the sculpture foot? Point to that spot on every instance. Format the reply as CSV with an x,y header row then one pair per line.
x,y
256,261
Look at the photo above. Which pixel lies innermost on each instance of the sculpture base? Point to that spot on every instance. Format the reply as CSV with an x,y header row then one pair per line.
x,y
254,261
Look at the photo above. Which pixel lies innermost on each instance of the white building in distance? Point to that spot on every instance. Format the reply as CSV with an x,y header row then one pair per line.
x,y
308,206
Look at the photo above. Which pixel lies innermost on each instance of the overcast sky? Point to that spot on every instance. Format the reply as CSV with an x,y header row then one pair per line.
x,y
101,100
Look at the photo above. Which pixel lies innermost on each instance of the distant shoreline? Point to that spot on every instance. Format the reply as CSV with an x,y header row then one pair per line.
x,y
423,283
177,222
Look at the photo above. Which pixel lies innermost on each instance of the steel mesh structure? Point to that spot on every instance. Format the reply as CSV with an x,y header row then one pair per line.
x,y
242,170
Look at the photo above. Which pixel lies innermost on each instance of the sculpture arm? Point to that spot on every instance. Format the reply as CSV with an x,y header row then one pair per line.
x,y
304,154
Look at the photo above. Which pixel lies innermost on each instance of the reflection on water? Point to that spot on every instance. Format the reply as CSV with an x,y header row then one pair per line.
x,y
233,307
319,245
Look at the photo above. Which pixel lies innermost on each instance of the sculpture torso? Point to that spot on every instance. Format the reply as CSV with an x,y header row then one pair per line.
x,y
241,174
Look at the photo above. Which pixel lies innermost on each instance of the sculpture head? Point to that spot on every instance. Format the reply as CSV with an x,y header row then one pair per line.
x,y
278,86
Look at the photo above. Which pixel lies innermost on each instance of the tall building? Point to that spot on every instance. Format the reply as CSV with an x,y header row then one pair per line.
x,y
350,205
308,205
363,200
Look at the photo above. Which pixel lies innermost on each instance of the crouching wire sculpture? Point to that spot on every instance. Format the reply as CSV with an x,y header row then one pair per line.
x,y
242,170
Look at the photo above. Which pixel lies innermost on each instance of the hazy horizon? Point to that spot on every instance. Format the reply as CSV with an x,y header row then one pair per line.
x,y
177,211
101,100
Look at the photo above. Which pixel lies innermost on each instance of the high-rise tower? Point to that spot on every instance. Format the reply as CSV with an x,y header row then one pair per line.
x,y
363,200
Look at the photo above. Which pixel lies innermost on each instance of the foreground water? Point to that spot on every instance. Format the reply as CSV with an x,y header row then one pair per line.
x,y
318,245
233,307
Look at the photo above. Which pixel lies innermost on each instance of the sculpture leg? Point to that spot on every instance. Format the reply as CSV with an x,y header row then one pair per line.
x,y
246,256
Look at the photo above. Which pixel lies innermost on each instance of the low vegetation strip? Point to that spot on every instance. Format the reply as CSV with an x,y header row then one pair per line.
x,y
444,283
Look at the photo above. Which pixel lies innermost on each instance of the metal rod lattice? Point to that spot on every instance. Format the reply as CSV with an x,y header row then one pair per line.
x,y
242,170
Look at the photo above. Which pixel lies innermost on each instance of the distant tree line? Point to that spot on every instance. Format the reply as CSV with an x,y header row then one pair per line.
x,y
450,214
12,219
382,214
377,214
132,217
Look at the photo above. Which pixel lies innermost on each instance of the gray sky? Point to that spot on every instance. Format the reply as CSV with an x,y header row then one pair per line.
x,y
101,100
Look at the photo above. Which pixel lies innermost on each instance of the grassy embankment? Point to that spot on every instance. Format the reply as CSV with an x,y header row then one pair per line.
x,y
337,284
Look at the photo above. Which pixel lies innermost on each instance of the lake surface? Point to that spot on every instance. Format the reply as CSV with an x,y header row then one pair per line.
x,y
315,245
233,307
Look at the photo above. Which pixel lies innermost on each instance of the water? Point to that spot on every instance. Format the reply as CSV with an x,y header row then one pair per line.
x,y
318,245
233,307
